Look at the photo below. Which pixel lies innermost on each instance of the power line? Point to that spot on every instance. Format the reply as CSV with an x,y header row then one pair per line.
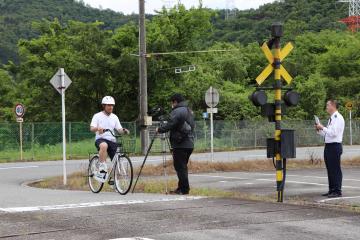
x,y
149,55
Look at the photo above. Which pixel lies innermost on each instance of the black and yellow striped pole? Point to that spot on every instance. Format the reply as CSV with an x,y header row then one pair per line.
x,y
275,59
277,33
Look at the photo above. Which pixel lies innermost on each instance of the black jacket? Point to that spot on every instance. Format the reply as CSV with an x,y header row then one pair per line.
x,y
178,116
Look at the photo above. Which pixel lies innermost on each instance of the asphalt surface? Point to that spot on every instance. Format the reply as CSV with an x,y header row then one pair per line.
x,y
196,219
306,185
29,213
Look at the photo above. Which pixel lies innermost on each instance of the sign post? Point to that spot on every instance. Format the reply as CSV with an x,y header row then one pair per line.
x,y
212,100
349,106
61,82
20,112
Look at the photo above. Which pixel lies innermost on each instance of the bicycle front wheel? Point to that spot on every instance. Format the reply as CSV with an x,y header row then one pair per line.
x,y
95,186
123,174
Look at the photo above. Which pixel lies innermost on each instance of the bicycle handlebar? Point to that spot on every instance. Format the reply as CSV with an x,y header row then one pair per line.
x,y
108,130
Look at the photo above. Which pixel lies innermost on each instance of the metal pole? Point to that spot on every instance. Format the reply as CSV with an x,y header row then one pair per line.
x,y
62,79
70,155
144,134
212,134
205,133
255,142
351,137
278,92
21,141
32,141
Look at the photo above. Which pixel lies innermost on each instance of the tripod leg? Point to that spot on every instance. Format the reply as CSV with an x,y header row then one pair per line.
x,y
164,144
143,164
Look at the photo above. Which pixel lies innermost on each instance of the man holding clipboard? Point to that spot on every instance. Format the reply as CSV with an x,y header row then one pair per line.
x,y
333,136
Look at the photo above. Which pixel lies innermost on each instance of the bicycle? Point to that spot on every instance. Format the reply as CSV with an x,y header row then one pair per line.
x,y
121,169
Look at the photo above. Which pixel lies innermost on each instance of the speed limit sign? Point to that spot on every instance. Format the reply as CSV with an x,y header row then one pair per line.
x,y
19,110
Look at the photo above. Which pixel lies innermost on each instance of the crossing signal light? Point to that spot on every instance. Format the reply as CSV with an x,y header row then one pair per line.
x,y
291,98
258,98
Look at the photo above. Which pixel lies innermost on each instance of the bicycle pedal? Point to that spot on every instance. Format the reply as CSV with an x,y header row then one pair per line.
x,y
111,182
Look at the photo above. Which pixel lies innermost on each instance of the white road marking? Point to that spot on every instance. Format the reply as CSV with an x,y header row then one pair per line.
x,y
20,167
223,181
212,176
345,179
340,198
94,204
272,180
136,238
259,155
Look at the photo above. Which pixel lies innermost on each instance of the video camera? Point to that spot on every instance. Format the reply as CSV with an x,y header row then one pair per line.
x,y
158,114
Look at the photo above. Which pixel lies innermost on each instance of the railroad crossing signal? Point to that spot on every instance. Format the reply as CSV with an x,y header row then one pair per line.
x,y
282,146
271,67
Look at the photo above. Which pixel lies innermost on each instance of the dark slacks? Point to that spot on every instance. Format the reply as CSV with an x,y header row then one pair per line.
x,y
181,159
332,156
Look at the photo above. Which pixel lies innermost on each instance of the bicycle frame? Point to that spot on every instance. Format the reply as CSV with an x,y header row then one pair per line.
x,y
116,158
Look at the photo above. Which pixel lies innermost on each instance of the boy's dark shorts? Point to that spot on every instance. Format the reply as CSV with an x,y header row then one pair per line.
x,y
112,147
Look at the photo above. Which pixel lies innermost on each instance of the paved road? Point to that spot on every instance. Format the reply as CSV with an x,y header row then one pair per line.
x,y
302,154
306,184
29,213
194,220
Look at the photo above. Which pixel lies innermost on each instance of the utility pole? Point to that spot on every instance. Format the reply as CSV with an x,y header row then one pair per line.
x,y
143,98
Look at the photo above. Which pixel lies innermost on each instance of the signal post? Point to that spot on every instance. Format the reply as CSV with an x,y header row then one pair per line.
x,y
282,146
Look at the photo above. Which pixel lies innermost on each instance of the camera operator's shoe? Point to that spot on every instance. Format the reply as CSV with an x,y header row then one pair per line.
x,y
178,192
335,195
326,194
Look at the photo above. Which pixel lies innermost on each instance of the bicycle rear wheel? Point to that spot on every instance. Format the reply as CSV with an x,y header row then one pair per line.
x,y
123,175
95,186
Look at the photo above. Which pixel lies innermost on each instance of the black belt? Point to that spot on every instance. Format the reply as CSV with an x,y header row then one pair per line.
x,y
334,143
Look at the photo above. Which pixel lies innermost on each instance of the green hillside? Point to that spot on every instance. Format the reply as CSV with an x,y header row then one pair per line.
x,y
16,17
325,62
299,16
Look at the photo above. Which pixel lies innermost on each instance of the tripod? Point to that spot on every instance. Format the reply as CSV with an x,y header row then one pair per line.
x,y
164,143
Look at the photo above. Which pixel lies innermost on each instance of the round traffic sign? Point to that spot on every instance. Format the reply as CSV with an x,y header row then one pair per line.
x,y
19,110
349,106
212,97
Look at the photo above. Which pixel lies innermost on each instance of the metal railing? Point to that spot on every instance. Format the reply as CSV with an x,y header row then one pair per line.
x,y
42,141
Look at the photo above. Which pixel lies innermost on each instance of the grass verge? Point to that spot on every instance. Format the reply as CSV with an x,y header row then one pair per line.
x,y
241,166
78,182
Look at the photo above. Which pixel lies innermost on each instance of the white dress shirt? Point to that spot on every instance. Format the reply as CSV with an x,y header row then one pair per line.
x,y
333,132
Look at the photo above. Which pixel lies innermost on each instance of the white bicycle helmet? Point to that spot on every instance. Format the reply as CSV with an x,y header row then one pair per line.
x,y
108,100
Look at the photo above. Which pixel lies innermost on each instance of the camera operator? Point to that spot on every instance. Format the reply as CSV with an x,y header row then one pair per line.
x,y
181,125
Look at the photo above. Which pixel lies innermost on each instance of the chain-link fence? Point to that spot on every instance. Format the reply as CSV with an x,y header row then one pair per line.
x,y
42,141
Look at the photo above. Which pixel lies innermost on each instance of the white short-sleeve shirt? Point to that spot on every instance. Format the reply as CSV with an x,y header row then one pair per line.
x,y
106,122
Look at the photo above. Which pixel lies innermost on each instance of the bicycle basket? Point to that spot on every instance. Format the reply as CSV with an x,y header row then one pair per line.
x,y
127,145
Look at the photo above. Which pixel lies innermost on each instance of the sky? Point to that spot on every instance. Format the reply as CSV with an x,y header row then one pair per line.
x,y
131,6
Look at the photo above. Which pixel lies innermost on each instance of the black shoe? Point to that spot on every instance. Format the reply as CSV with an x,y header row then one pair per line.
x,y
178,192
326,194
334,195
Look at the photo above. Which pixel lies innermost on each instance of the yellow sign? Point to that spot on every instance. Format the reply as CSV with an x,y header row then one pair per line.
x,y
349,106
270,68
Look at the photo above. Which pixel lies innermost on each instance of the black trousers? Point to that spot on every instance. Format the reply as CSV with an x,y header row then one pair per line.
x,y
332,156
181,159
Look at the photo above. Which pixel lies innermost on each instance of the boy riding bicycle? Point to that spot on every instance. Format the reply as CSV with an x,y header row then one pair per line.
x,y
105,142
